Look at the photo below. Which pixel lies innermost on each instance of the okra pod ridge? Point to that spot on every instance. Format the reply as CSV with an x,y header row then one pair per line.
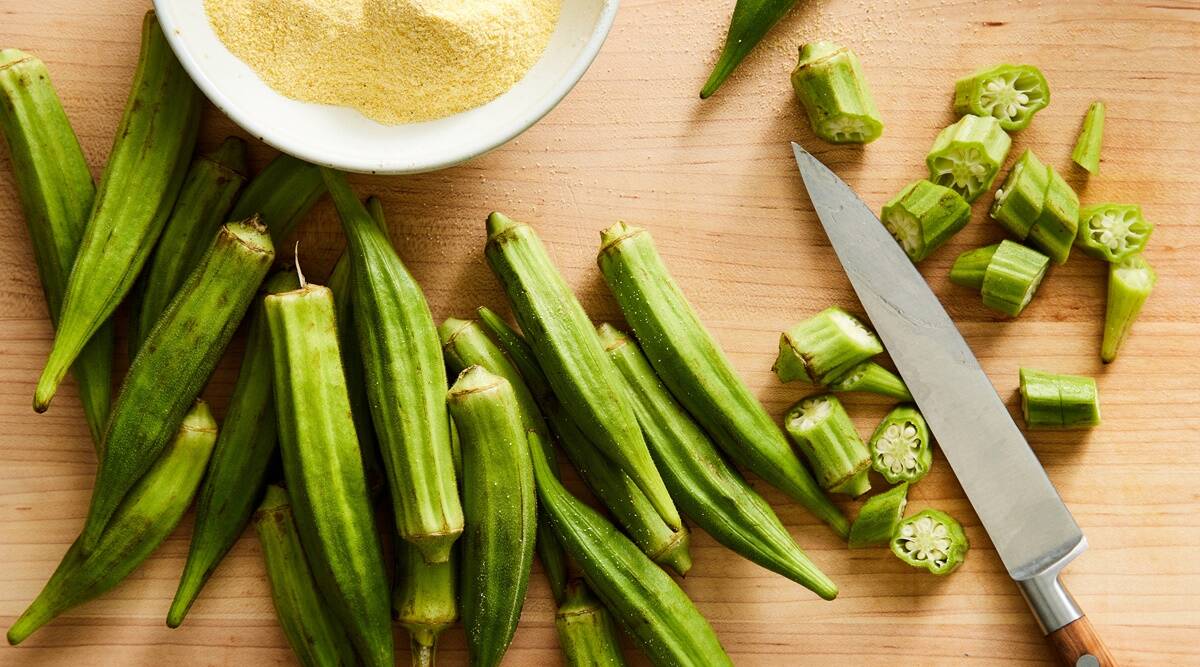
x,y
824,432
1130,282
879,517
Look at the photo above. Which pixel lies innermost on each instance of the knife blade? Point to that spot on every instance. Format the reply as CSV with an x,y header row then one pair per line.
x,y
1030,526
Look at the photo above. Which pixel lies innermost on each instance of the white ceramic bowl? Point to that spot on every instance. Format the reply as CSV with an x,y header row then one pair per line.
x,y
343,138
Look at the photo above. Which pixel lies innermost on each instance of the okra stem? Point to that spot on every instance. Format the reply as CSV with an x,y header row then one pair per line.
x,y
1129,284
1091,136
824,432
424,599
585,629
825,347
879,517
1012,277
870,377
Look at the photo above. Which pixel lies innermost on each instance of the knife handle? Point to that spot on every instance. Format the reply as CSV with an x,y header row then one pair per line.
x,y
1078,645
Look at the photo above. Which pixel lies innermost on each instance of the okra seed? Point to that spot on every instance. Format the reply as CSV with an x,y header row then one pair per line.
x,y
926,540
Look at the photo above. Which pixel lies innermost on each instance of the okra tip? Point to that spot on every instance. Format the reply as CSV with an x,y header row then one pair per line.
x,y
450,328
498,223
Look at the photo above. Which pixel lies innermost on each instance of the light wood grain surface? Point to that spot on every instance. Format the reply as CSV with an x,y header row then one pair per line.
x,y
715,183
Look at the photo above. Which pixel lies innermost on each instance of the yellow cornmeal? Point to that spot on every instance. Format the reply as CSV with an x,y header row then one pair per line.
x,y
396,61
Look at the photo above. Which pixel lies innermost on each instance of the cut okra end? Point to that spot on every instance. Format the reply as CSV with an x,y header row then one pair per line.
x,y
1112,232
967,155
1012,277
879,517
931,540
1055,401
901,447
1087,147
837,455
830,85
1130,282
924,216
971,266
872,378
1019,199
1011,94
1057,225
824,347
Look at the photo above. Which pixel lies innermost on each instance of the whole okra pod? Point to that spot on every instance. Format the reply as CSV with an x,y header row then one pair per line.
x,y
406,381
144,519
150,157
324,470
56,191
281,195
697,372
585,629
562,338
314,633
751,20
175,362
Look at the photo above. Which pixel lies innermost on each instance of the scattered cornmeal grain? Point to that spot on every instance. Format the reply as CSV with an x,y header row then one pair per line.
x,y
396,61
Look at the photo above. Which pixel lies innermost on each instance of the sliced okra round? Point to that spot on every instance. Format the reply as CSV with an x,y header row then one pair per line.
x,y
1011,94
1130,282
830,85
901,448
971,266
879,516
1012,277
924,216
967,155
824,347
1058,223
1112,232
1019,199
824,432
931,539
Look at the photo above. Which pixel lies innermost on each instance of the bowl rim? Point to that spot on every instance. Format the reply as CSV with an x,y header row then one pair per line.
x,y
261,128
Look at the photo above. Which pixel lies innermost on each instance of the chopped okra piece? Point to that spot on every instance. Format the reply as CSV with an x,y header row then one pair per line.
x,y
901,448
872,378
923,216
1129,284
830,85
1055,229
879,516
1112,232
971,266
824,432
931,539
1019,200
1087,147
1009,93
824,347
1012,277
1058,401
967,155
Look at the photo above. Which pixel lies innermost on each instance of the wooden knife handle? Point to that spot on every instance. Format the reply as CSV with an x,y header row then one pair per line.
x,y
1078,645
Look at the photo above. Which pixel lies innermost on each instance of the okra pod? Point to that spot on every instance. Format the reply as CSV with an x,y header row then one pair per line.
x,y
1019,200
175,362
144,519
932,540
870,377
585,629
1091,136
1058,401
1056,227
970,267
1129,284
710,492
751,20
824,347
55,190
824,432
281,195
653,609
323,468
150,157
967,155
581,375
1012,277
406,381
239,462
1011,94
830,85
424,599
879,517
314,633
901,447
924,216
1112,232
698,373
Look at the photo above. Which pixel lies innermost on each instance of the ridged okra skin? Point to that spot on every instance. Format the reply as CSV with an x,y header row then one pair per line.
x,y
314,633
653,609
824,432
500,506
1020,198
824,347
144,519
1091,136
1056,401
970,267
175,362
424,599
149,157
880,515
830,85
710,492
1057,225
239,462
406,381
562,338
280,195
1012,277
1129,285
323,468
967,155
697,371
924,216
751,20
585,629
1011,94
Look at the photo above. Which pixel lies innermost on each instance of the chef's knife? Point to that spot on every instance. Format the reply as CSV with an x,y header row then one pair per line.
x,y
1033,531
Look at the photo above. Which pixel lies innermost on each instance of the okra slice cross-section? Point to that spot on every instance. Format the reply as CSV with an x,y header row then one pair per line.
x,y
924,216
1112,232
1011,94
824,432
830,85
967,155
1129,284
901,450
824,347
932,540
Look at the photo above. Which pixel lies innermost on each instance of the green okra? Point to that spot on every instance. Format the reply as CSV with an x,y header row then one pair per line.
x,y
870,377
651,607
879,517
830,85
500,506
281,195
239,462
581,375
324,470
149,157
1012,277
406,381
824,432
207,193
970,267
585,629
55,190
967,155
709,492
932,540
1091,135
824,347
1011,94
142,522
1130,282
901,447
1112,232
751,20
698,373
1050,400
1056,227
629,506
424,599
175,362
924,216
314,633
1019,200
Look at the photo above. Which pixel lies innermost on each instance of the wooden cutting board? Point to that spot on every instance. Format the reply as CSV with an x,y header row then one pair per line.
x,y
715,183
